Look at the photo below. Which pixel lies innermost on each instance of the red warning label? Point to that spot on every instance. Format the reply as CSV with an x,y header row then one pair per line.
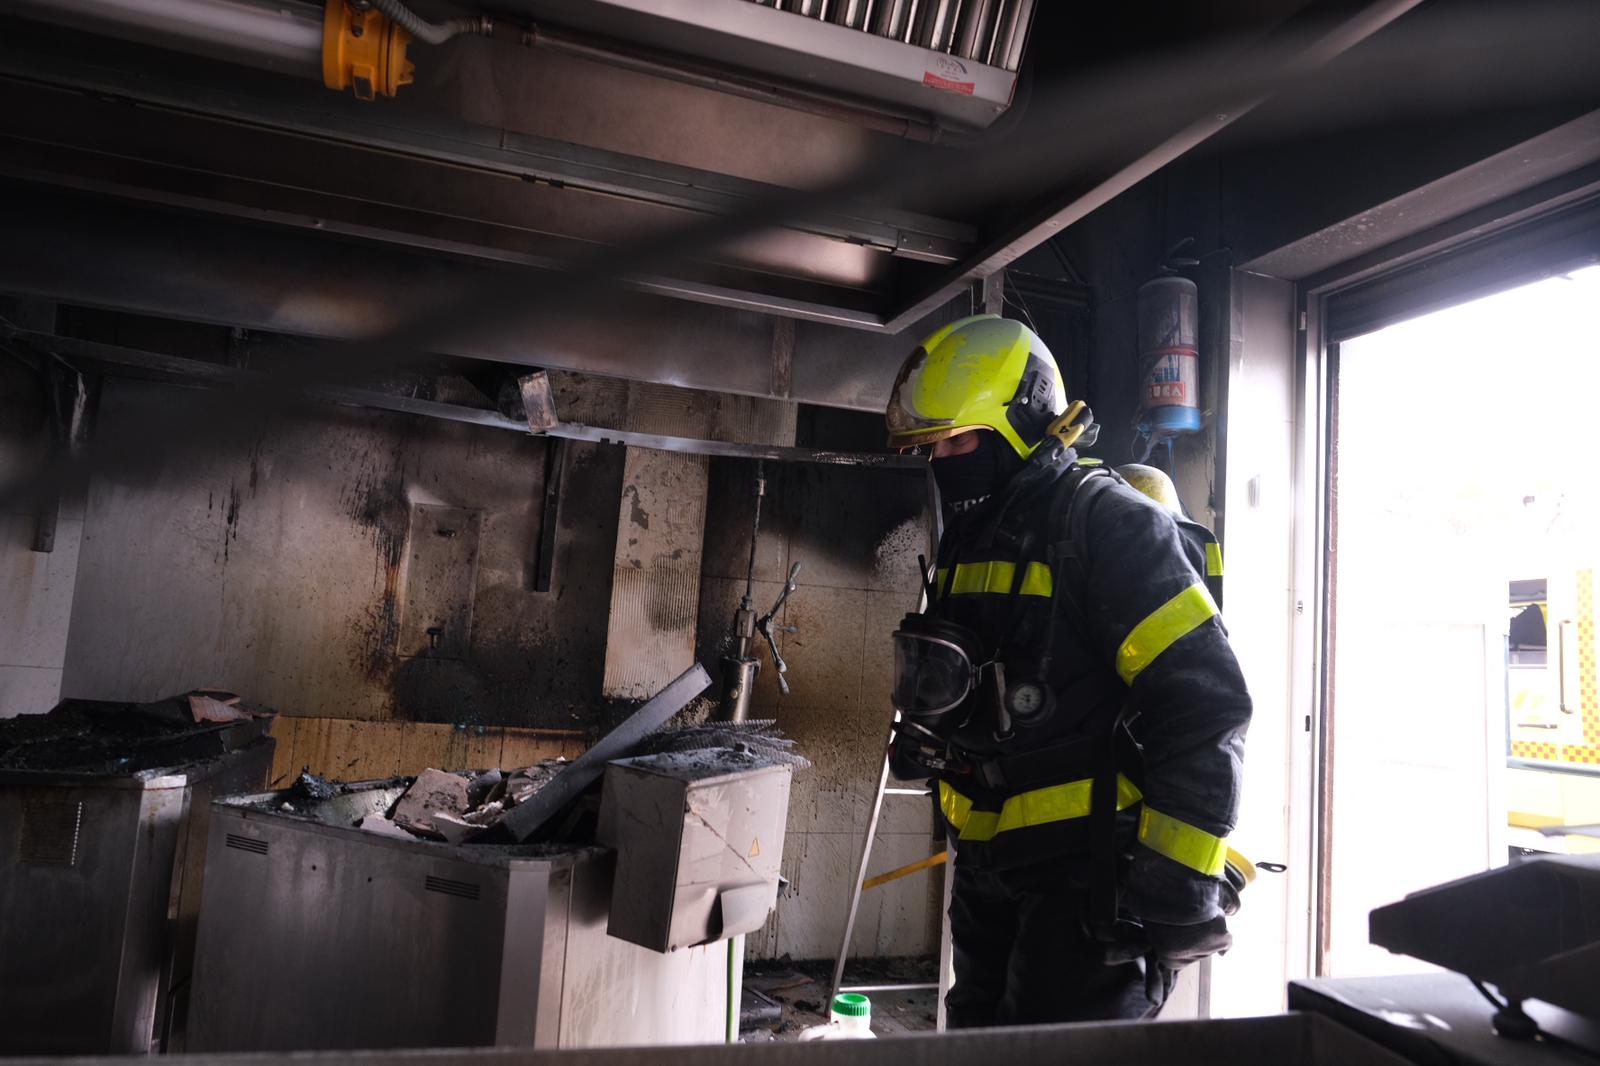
x,y
949,85
1167,393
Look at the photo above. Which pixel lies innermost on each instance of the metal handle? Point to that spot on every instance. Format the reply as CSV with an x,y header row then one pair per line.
x,y
777,660
770,631
789,586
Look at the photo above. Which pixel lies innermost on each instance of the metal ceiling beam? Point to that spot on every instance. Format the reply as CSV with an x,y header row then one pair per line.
x,y
1076,202
1556,167
136,258
115,359
258,210
240,168
328,117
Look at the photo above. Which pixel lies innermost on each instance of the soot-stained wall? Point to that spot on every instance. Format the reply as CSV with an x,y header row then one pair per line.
x,y
306,559
35,587
857,534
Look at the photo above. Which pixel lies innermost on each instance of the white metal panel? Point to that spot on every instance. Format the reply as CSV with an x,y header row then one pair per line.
x,y
1258,607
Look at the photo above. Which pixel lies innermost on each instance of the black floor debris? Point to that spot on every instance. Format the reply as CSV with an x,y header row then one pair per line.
x,y
801,991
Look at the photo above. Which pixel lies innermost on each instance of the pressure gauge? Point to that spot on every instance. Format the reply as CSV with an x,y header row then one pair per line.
x,y
1028,702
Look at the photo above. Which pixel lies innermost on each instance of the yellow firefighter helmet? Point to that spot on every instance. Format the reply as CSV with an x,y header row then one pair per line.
x,y
984,372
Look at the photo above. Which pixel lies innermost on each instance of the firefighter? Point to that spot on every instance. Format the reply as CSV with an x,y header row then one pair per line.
x,y
1071,693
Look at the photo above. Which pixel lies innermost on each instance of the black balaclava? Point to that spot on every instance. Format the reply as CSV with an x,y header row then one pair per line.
x,y
965,481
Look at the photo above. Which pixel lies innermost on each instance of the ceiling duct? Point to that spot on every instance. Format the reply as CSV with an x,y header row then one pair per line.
x,y
954,61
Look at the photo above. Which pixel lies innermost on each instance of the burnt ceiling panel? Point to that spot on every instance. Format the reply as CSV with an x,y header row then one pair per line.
x,y
523,178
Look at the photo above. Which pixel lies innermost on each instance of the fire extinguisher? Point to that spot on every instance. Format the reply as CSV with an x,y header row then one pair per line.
x,y
1169,356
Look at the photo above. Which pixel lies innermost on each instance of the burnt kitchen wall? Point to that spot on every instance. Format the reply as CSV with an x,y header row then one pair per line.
x,y
857,534
337,562
39,536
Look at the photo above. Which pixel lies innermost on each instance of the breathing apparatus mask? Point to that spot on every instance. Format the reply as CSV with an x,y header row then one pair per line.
x,y
936,667
937,664
940,669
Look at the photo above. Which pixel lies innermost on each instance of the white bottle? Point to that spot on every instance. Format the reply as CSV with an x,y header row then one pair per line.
x,y
849,1018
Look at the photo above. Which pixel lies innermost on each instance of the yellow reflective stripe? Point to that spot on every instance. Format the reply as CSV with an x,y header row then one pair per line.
x,y
996,576
1162,628
1041,806
955,806
1213,559
1182,842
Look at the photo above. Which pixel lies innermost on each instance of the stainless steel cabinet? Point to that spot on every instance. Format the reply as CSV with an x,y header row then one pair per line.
x,y
99,896
318,935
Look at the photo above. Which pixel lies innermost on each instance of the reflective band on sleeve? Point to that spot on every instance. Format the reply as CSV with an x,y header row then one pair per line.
x,y
996,577
1182,842
1041,806
1213,559
1162,628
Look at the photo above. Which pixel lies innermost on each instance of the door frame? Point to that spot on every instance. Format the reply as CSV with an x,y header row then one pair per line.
x,y
1488,250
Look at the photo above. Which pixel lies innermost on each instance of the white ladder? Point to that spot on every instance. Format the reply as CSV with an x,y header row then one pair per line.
x,y
860,883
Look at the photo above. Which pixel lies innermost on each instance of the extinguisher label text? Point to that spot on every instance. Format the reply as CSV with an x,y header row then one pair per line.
x,y
1170,380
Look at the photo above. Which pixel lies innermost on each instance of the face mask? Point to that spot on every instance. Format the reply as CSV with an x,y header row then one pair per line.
x,y
936,665
967,480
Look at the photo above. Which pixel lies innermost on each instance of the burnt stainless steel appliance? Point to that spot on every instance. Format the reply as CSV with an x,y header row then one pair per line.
x,y
318,935
699,839
100,894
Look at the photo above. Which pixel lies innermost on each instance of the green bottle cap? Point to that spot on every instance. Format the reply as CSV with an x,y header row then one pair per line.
x,y
852,1005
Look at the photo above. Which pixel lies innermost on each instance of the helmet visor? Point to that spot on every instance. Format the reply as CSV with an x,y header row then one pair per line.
x,y
932,676
902,416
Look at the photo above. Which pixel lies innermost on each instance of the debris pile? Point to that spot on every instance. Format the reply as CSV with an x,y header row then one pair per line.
x,y
752,743
464,806
453,806
114,738
553,800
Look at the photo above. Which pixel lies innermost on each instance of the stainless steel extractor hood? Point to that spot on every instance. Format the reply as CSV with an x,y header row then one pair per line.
x,y
954,61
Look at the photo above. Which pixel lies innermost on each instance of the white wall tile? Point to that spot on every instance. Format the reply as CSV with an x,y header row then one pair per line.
x,y
898,918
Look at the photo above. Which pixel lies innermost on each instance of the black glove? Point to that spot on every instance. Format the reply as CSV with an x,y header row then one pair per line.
x,y
1172,947
1176,946
1123,942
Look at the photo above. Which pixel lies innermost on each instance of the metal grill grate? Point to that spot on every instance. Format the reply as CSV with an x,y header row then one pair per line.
x,y
447,887
987,31
250,844
50,832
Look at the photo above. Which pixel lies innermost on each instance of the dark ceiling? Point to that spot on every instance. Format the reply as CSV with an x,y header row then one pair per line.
x,y
491,208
